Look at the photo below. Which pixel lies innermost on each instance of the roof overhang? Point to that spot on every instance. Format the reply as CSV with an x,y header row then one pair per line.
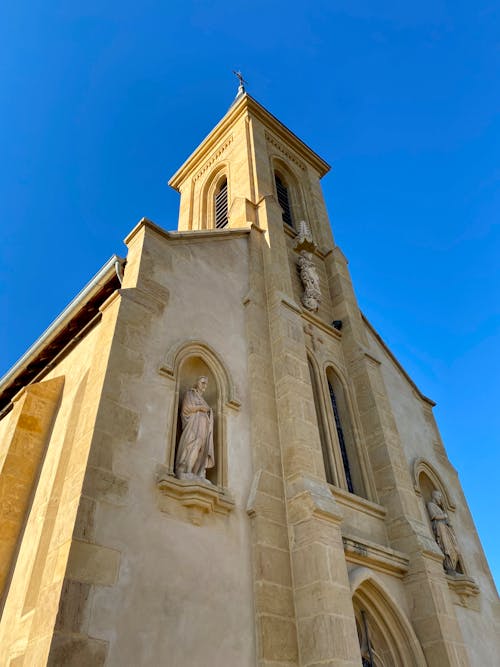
x,y
59,337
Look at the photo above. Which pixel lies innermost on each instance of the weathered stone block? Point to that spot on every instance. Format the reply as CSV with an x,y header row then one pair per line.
x,y
279,638
93,564
272,565
71,651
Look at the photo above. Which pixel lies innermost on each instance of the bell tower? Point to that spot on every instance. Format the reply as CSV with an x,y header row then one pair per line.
x,y
252,156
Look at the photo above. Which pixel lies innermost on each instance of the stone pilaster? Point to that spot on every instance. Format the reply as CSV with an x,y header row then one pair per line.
x,y
276,632
326,631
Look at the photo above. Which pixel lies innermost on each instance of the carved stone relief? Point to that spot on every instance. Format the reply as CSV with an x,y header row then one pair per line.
x,y
305,246
311,299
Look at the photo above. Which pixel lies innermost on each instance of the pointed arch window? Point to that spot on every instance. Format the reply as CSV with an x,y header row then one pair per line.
x,y
220,204
341,439
284,199
346,454
325,447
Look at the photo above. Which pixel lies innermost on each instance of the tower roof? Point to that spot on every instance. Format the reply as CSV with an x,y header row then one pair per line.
x,y
245,104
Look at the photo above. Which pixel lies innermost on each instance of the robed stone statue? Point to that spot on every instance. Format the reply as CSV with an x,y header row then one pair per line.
x,y
195,451
443,532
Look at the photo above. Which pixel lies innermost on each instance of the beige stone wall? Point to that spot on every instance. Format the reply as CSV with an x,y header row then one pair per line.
x,y
36,580
150,582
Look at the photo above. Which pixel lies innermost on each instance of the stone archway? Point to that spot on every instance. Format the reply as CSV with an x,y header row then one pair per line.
x,y
386,637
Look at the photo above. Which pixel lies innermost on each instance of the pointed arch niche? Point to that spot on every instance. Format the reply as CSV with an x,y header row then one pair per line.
x,y
288,193
215,199
183,364
426,480
386,637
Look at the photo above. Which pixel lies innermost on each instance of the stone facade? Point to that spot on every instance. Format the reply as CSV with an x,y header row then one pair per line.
x,y
309,543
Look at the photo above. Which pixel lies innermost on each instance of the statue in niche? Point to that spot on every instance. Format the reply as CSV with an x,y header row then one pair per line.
x,y
443,532
195,451
311,298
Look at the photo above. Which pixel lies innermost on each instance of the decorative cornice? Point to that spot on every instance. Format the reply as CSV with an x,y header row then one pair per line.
x,y
188,235
464,587
363,552
199,499
316,321
358,503
247,107
291,156
214,157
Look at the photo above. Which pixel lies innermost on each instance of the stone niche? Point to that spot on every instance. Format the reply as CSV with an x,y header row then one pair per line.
x,y
196,500
426,482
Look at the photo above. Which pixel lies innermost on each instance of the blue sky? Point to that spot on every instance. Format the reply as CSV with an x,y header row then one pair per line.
x,y
102,101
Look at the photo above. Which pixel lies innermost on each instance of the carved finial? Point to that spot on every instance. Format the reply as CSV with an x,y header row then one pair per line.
x,y
304,239
241,87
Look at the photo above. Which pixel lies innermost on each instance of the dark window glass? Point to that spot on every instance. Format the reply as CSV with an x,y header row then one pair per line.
x,y
221,205
284,200
340,434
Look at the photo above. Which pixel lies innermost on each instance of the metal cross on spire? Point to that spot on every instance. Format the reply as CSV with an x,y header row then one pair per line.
x,y
239,76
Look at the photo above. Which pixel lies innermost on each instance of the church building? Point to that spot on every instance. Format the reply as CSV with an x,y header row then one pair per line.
x,y
212,459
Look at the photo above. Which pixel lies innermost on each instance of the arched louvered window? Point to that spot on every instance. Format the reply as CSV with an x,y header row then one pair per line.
x,y
284,199
220,203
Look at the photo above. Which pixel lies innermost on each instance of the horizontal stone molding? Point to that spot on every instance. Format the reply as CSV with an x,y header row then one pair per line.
x,y
326,328
375,556
213,158
289,303
465,589
200,499
311,498
287,153
357,503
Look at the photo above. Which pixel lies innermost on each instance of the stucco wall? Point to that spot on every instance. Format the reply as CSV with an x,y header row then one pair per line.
x,y
174,579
